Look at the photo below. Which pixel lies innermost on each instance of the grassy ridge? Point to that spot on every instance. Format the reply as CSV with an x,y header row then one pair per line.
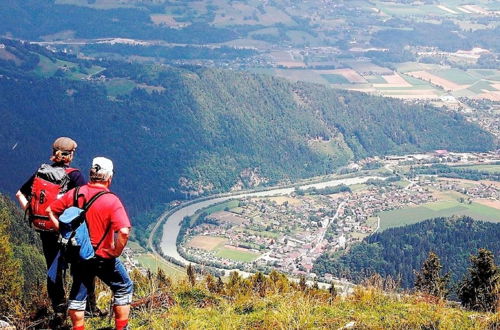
x,y
274,302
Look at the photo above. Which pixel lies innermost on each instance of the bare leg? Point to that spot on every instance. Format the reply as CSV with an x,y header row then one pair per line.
x,y
121,315
77,317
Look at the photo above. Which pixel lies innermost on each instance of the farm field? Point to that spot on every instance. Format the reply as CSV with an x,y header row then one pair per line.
x,y
215,208
446,208
209,243
153,263
236,254
492,168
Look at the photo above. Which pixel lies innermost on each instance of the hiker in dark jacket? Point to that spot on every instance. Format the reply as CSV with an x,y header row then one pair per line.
x,y
109,228
63,150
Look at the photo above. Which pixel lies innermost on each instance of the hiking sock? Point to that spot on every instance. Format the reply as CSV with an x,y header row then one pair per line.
x,y
121,324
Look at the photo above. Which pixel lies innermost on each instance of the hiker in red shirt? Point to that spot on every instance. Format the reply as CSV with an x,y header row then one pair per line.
x,y
109,228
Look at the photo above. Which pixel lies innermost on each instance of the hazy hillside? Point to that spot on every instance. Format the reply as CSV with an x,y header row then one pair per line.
x,y
398,252
174,132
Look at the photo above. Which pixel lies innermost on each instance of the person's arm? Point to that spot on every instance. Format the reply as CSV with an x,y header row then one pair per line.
x,y
121,239
57,207
53,218
24,192
23,201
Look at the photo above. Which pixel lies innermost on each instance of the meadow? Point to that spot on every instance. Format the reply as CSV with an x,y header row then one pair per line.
x,y
443,208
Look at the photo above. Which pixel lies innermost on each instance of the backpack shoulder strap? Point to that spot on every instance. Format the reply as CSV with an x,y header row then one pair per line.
x,y
70,170
88,204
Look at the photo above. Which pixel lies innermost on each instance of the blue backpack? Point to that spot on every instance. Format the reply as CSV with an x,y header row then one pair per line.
x,y
74,237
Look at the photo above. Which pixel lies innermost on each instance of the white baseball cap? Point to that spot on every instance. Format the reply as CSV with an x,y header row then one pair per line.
x,y
102,168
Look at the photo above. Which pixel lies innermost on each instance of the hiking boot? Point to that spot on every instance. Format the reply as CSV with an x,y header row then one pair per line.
x,y
96,312
57,321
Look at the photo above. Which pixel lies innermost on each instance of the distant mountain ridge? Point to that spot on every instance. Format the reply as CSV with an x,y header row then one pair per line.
x,y
179,131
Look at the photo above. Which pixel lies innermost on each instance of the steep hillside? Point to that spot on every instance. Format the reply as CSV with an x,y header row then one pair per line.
x,y
399,252
21,263
177,132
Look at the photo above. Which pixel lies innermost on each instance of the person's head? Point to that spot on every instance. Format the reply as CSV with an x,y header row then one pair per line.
x,y
63,150
101,170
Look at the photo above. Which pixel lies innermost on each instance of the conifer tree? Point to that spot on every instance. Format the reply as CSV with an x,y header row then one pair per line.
x,y
191,274
429,280
333,291
479,290
220,285
211,283
302,283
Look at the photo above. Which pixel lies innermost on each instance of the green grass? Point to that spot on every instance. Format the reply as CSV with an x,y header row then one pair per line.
x,y
479,86
236,255
284,306
492,168
215,208
375,79
446,208
117,87
151,262
268,234
455,75
335,79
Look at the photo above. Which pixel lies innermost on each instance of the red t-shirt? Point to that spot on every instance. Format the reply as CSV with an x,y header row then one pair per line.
x,y
106,210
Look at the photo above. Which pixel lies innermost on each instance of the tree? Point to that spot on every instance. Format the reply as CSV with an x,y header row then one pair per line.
x,y
479,290
302,283
429,280
333,291
191,275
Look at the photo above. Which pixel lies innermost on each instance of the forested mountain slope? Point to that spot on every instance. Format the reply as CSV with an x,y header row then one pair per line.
x,y
399,252
174,132
22,266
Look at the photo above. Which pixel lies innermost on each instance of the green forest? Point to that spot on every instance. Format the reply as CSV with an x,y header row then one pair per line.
x,y
181,132
399,252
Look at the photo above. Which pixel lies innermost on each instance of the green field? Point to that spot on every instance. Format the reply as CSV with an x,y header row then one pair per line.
x,y
408,216
153,263
492,168
335,79
455,75
117,87
215,208
480,86
236,255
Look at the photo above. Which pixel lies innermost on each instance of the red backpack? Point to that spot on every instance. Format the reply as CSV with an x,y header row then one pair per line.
x,y
50,182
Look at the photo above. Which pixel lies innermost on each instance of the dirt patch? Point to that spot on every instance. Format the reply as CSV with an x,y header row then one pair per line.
x,y
445,84
6,55
208,243
280,200
291,64
488,202
235,248
396,79
228,217
163,19
348,74
493,96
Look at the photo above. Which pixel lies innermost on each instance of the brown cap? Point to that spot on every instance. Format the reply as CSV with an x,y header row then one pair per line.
x,y
64,144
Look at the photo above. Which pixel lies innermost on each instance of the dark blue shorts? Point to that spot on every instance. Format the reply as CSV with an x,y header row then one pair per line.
x,y
110,271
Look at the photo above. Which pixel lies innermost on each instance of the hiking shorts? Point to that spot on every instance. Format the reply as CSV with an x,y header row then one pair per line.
x,y
111,271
